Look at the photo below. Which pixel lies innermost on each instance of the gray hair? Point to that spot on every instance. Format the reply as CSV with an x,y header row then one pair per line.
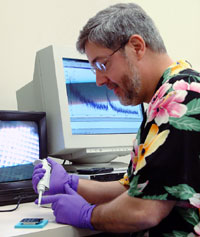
x,y
113,27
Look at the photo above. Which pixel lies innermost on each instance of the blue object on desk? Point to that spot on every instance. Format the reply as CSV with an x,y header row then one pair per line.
x,y
39,225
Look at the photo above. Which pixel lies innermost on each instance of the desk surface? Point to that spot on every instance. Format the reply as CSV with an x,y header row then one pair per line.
x,y
9,219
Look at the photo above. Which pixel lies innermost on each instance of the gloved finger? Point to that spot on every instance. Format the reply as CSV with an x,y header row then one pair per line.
x,y
54,206
57,205
34,184
38,171
38,166
36,177
51,162
69,190
35,181
48,199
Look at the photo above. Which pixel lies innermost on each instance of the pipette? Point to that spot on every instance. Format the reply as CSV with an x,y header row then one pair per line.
x,y
43,184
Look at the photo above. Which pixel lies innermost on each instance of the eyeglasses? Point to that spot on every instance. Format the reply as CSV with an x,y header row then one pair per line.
x,y
102,66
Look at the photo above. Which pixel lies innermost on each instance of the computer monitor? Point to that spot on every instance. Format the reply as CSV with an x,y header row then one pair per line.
x,y
86,123
22,141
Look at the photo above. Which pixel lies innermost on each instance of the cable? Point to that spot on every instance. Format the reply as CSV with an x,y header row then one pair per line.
x,y
9,210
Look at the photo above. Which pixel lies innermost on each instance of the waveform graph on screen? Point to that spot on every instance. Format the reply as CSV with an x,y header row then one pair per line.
x,y
86,97
91,101
96,110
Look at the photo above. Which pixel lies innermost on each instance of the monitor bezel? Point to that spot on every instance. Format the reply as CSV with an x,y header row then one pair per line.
x,y
50,65
22,191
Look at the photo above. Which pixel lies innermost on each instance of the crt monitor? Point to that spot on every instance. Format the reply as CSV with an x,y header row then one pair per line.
x,y
86,123
22,141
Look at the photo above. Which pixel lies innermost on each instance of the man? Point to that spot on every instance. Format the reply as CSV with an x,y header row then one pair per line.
x,y
160,194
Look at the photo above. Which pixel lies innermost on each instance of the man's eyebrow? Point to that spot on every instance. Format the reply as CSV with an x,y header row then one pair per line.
x,y
96,59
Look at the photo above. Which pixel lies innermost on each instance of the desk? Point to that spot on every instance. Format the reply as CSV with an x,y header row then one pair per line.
x,y
9,219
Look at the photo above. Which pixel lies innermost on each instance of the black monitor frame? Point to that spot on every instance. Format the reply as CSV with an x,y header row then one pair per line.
x,y
13,192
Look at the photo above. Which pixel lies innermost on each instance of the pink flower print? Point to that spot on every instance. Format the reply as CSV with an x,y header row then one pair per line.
x,y
160,92
142,186
156,99
162,107
182,85
197,229
134,155
195,200
192,235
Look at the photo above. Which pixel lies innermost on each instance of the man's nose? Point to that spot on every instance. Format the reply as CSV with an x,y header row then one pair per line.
x,y
100,78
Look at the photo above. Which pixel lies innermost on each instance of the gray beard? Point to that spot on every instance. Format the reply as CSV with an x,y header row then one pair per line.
x,y
131,86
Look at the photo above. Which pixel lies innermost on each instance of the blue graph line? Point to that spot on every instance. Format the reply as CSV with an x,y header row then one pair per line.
x,y
87,101
92,104
120,110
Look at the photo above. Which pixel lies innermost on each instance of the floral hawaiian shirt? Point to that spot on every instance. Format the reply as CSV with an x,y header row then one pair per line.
x,y
165,161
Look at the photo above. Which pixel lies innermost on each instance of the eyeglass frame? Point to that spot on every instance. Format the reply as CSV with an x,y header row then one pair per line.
x,y
101,67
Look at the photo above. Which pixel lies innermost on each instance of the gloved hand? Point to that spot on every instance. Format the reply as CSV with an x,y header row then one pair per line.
x,y
70,208
59,177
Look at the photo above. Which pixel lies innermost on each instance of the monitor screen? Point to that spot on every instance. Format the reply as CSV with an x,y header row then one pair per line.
x,y
96,110
22,142
19,148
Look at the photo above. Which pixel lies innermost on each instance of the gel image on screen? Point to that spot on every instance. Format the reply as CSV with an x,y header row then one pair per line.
x,y
93,109
19,148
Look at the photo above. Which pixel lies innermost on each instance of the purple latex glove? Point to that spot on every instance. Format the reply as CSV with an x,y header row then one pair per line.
x,y
70,208
59,177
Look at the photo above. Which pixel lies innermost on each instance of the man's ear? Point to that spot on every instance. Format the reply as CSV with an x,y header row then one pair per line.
x,y
138,45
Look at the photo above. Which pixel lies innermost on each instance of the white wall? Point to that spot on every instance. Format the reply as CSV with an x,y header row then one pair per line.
x,y
29,25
